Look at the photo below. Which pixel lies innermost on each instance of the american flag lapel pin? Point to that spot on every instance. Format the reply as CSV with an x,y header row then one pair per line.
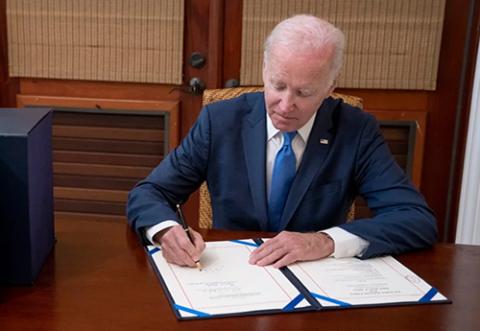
x,y
324,141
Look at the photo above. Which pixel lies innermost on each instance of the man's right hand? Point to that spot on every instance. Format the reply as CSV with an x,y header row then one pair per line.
x,y
177,247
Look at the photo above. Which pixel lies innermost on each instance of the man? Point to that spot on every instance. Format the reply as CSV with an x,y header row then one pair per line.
x,y
292,160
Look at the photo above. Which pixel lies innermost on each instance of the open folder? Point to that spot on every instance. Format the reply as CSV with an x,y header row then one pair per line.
x,y
229,286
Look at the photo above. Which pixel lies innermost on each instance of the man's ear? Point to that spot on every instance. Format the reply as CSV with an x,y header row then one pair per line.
x,y
332,87
264,73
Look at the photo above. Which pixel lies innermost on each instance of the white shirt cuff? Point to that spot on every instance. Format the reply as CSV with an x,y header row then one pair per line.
x,y
154,229
346,243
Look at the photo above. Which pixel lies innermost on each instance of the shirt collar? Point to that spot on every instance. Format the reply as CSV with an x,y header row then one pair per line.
x,y
304,131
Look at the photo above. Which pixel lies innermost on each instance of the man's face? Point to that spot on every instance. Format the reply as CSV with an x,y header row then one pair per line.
x,y
296,83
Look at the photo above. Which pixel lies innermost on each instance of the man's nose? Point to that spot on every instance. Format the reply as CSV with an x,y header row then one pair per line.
x,y
286,102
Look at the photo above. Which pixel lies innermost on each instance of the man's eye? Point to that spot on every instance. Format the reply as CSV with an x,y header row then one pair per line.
x,y
303,94
279,87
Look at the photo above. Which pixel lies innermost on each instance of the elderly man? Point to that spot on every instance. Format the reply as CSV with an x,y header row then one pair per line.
x,y
289,160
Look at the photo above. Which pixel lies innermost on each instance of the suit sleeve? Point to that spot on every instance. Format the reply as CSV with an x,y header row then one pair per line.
x,y
182,171
401,219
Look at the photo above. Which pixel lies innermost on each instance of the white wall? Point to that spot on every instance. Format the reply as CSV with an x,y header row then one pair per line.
x,y
468,225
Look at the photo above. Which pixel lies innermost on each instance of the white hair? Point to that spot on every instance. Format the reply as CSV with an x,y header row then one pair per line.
x,y
307,32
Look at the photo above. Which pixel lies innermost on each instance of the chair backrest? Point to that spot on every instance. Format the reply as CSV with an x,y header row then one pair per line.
x,y
212,95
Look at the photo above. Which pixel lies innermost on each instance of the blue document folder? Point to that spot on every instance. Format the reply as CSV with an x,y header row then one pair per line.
x,y
229,286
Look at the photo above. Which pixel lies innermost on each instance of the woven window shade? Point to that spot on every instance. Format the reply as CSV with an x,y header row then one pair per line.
x,y
108,40
391,44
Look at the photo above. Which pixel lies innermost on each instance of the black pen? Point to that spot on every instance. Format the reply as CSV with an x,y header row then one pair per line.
x,y
187,230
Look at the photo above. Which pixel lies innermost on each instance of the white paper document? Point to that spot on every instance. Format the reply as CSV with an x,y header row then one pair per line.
x,y
351,281
229,285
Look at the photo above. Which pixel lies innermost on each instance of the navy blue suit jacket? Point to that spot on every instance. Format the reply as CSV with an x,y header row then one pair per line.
x,y
227,147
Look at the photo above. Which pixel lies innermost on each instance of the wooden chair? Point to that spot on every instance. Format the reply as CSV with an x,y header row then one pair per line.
x,y
209,96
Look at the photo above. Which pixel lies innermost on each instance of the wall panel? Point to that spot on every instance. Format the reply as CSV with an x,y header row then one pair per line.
x,y
122,40
100,153
391,44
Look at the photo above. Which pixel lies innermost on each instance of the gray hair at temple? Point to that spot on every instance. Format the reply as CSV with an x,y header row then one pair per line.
x,y
303,32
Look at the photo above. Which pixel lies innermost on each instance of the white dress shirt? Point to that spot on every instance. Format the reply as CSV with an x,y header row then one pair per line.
x,y
346,243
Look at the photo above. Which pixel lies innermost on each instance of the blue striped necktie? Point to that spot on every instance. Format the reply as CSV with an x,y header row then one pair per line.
x,y
283,173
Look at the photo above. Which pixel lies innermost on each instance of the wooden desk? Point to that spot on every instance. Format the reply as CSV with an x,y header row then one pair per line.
x,y
98,278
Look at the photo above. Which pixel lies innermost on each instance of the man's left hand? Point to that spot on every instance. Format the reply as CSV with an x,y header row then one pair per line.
x,y
289,247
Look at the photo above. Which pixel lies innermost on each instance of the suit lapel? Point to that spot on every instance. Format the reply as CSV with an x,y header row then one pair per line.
x,y
254,142
315,153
